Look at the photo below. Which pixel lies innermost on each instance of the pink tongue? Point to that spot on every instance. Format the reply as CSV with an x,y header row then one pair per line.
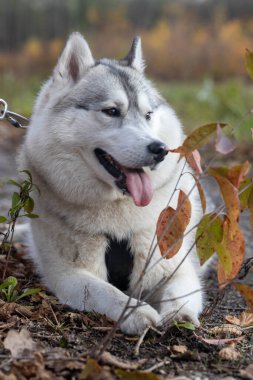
x,y
139,186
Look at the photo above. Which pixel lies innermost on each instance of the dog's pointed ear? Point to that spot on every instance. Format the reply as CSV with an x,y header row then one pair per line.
x,y
134,58
75,59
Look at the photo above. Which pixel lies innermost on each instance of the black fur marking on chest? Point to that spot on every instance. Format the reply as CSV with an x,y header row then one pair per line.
x,y
119,262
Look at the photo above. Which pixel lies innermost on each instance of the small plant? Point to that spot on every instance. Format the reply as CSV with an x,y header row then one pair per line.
x,y
21,201
9,293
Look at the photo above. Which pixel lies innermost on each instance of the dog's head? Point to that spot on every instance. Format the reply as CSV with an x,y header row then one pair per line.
x,y
107,115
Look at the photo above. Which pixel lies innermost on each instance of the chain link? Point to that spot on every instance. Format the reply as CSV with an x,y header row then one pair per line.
x,y
12,117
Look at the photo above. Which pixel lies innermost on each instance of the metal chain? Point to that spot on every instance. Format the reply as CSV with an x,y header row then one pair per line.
x,y
12,117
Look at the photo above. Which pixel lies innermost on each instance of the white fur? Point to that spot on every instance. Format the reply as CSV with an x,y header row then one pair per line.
x,y
79,202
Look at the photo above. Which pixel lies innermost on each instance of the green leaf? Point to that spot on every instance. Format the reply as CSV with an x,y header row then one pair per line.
x,y
249,62
28,173
12,182
2,219
9,282
208,236
185,325
245,189
28,292
15,199
197,138
31,216
29,205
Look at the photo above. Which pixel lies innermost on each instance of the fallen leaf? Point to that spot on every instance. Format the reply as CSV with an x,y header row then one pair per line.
x,y
18,342
179,349
245,319
11,376
229,353
233,320
247,372
93,371
224,144
247,293
219,342
225,330
33,369
171,225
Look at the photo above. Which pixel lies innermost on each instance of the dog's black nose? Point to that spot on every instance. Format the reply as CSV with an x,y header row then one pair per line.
x,y
158,149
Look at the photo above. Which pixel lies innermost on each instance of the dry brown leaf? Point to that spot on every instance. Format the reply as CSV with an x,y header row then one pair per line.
x,y
225,330
233,320
18,342
245,319
34,368
11,376
169,234
229,353
179,349
247,372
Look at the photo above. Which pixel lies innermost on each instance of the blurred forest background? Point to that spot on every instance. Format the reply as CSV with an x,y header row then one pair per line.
x,y
194,49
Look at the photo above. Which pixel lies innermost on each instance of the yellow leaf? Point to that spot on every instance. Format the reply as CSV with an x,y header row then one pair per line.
x,y
208,236
249,62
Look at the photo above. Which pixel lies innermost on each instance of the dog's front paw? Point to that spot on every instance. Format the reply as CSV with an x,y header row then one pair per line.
x,y
184,314
140,318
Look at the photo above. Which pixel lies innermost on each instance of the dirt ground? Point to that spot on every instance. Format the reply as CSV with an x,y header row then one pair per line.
x,y
62,343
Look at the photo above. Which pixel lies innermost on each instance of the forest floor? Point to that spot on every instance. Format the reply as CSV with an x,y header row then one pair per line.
x,y
51,341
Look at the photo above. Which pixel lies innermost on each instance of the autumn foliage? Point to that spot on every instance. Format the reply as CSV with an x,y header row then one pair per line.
x,y
218,231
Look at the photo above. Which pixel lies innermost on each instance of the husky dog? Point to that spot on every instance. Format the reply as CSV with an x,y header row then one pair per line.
x,y
97,149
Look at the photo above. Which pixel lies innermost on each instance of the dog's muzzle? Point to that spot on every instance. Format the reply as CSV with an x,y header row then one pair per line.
x,y
158,150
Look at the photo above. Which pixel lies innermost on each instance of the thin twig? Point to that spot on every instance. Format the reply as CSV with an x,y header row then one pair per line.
x,y
137,347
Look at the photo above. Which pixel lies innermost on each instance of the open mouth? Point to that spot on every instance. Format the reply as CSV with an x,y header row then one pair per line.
x,y
134,182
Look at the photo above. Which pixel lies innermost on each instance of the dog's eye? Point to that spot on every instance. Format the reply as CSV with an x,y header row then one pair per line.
x,y
148,115
113,112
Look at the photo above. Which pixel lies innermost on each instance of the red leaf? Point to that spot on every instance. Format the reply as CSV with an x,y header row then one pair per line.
x,y
170,231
